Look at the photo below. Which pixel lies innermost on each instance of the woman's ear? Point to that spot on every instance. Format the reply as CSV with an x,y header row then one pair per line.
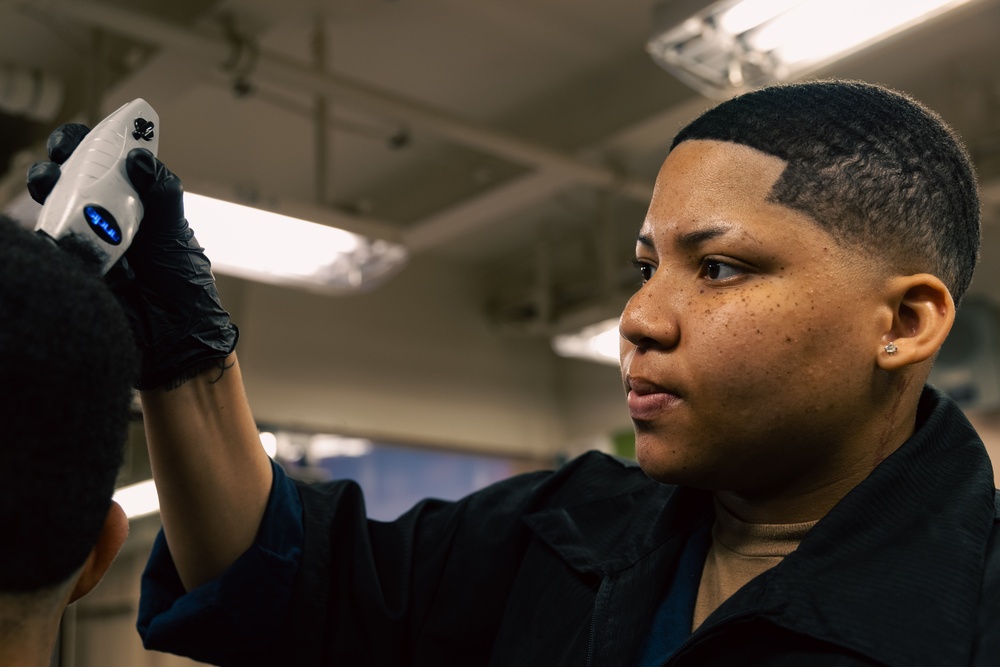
x,y
109,543
922,314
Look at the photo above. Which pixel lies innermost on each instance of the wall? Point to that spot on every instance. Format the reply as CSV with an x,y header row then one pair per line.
x,y
591,403
414,360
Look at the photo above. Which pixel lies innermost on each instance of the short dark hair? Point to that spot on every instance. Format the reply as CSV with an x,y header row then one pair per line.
x,y
872,166
67,364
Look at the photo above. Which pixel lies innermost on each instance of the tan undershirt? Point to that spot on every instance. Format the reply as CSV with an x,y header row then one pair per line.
x,y
738,553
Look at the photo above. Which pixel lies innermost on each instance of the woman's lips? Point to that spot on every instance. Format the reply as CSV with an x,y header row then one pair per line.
x,y
647,400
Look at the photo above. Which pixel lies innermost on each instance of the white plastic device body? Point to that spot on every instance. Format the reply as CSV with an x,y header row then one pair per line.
x,y
93,197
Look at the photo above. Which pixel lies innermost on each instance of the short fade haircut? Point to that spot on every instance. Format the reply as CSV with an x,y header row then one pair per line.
x,y
873,167
67,364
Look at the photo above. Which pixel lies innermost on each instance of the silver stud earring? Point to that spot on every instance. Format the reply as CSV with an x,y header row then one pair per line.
x,y
891,348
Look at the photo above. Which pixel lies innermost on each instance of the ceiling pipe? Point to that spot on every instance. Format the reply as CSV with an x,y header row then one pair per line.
x,y
280,71
479,212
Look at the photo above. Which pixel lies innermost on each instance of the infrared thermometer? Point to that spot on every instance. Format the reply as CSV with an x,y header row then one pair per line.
x,y
93,198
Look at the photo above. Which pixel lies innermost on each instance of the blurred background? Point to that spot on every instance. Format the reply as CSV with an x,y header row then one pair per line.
x,y
489,163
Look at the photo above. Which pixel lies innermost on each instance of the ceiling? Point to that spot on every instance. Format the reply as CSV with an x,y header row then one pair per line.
x,y
519,138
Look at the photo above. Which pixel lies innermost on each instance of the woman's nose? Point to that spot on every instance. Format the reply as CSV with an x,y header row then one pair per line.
x,y
649,319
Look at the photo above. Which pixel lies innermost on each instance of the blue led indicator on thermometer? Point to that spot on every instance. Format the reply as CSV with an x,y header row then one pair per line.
x,y
103,224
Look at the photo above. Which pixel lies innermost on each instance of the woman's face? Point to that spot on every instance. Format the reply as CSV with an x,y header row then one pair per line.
x,y
749,353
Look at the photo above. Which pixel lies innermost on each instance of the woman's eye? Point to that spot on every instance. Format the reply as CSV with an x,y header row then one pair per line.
x,y
718,270
646,270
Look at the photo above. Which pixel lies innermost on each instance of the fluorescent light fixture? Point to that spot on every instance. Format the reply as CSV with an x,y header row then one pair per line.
x,y
138,499
596,342
270,443
325,446
269,247
735,45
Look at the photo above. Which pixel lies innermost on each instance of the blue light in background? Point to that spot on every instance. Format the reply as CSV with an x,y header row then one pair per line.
x,y
396,477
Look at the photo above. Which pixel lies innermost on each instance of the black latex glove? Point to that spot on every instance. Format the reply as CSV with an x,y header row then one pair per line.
x,y
164,281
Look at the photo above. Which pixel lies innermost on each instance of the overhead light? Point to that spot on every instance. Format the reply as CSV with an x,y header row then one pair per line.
x,y
138,499
270,247
736,45
596,342
270,443
324,446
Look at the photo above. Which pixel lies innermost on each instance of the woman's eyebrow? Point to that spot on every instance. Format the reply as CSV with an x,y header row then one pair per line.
x,y
691,240
688,241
